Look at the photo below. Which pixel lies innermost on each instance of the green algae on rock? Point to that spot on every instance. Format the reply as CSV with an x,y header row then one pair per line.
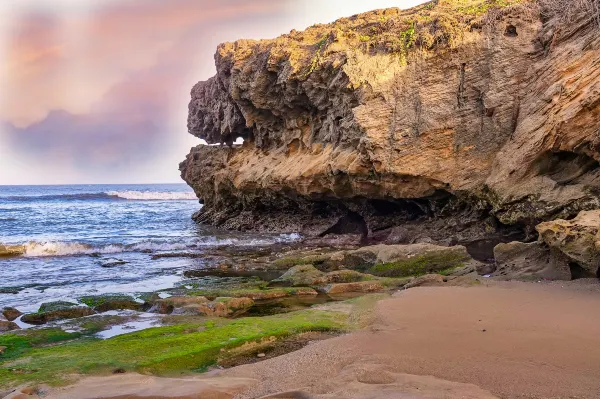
x,y
420,265
58,310
171,350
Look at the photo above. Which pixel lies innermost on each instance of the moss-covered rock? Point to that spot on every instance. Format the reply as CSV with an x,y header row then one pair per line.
x,y
56,305
419,265
105,303
379,260
361,286
58,310
416,259
301,275
220,307
168,305
308,275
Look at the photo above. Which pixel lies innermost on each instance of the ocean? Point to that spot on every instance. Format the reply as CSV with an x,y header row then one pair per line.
x,y
61,238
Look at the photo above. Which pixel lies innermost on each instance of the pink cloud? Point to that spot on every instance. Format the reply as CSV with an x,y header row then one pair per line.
x,y
101,90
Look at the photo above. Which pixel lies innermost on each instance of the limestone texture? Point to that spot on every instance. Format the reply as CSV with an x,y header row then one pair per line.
x,y
460,123
529,261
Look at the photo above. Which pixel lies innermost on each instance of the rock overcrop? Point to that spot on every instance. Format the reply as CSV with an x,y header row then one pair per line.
x,y
457,124
525,261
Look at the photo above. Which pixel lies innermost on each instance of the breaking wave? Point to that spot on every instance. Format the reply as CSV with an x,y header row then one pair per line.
x,y
58,248
111,195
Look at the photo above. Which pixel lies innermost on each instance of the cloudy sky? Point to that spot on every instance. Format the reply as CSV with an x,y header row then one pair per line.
x,y
96,91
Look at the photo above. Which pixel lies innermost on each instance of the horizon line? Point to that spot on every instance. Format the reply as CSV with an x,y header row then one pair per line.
x,y
92,184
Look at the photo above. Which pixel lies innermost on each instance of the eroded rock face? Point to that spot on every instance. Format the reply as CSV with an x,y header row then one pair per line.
x,y
349,129
517,260
578,239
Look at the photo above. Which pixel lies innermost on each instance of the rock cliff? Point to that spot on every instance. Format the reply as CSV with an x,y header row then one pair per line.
x,y
455,120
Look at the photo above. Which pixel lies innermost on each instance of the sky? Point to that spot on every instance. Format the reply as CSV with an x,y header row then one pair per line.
x,y
96,91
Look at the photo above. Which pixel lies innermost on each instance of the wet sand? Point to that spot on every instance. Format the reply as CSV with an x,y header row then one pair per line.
x,y
505,340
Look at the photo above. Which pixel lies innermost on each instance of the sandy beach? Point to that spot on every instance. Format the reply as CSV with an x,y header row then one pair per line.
x,y
502,340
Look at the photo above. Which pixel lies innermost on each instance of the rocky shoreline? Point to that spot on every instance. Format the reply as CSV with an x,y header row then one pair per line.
x,y
250,303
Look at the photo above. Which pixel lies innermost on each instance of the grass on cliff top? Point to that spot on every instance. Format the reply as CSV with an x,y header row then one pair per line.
x,y
50,357
434,25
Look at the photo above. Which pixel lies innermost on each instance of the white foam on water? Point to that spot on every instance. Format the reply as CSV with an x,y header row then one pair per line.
x,y
34,249
60,248
153,196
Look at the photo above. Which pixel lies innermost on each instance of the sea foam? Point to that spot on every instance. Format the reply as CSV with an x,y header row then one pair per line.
x,y
61,248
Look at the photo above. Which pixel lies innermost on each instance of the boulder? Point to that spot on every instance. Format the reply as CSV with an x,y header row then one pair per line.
x,y
578,239
113,262
220,307
199,305
300,276
11,313
260,295
57,311
361,286
105,303
518,260
167,305
6,326
56,305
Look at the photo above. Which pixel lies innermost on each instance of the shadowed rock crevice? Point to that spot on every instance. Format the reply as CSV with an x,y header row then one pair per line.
x,y
566,167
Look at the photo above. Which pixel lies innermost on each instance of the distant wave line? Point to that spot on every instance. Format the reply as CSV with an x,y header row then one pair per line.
x,y
110,195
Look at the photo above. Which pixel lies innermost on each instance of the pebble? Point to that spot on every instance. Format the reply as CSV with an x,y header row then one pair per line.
x,y
261,355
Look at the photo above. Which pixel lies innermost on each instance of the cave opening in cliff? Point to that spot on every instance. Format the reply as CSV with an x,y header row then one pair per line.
x,y
351,223
409,208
